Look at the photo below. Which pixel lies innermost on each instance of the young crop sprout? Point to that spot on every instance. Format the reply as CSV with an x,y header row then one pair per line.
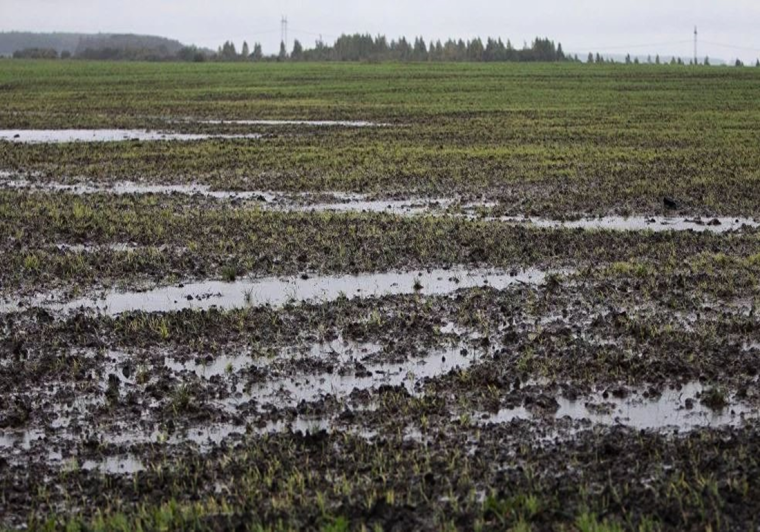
x,y
229,273
715,398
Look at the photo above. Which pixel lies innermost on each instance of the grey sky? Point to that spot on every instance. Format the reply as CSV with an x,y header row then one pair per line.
x,y
581,25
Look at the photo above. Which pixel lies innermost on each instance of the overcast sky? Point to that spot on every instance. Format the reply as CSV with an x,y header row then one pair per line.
x,y
640,26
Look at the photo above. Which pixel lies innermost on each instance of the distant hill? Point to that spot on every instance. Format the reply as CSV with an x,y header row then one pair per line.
x,y
78,42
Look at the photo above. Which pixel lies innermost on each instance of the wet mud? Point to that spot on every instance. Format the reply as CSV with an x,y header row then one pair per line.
x,y
182,356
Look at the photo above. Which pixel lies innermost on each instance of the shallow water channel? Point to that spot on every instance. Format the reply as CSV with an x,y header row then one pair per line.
x,y
675,408
60,136
280,291
287,202
655,224
351,202
316,123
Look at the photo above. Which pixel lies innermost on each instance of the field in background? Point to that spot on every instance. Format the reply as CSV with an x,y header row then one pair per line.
x,y
567,138
411,296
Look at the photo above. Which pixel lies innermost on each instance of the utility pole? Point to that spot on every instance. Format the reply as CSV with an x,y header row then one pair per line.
x,y
284,32
696,56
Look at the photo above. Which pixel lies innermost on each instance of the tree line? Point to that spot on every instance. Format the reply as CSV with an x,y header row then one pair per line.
x,y
599,59
359,47
130,47
356,47
364,47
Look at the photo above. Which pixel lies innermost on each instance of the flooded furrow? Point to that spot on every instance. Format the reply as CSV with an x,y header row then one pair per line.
x,y
61,136
655,224
358,203
275,201
409,374
691,407
278,292
315,123
121,188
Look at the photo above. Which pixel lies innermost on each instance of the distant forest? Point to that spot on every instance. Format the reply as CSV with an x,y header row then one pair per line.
x,y
90,46
357,47
346,48
368,48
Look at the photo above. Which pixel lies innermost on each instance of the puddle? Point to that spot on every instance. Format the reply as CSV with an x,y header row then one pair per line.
x,y
222,365
59,136
459,331
270,200
680,409
408,207
638,223
84,248
205,437
278,292
338,351
409,374
114,465
286,390
402,207
355,374
209,437
127,187
306,425
22,439
317,123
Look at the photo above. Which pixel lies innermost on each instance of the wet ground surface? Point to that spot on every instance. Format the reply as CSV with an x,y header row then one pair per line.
x,y
333,201
526,368
358,203
590,372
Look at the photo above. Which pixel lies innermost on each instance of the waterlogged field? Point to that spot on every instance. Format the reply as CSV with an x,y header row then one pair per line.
x,y
346,297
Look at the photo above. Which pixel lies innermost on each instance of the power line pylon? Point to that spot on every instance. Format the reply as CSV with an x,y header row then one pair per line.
x,y
284,32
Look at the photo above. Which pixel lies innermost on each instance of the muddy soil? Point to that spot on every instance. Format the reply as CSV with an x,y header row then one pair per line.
x,y
275,352
618,394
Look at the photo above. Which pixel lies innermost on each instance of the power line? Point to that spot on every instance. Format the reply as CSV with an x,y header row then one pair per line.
x,y
265,32
745,48
674,43
623,47
314,33
227,36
